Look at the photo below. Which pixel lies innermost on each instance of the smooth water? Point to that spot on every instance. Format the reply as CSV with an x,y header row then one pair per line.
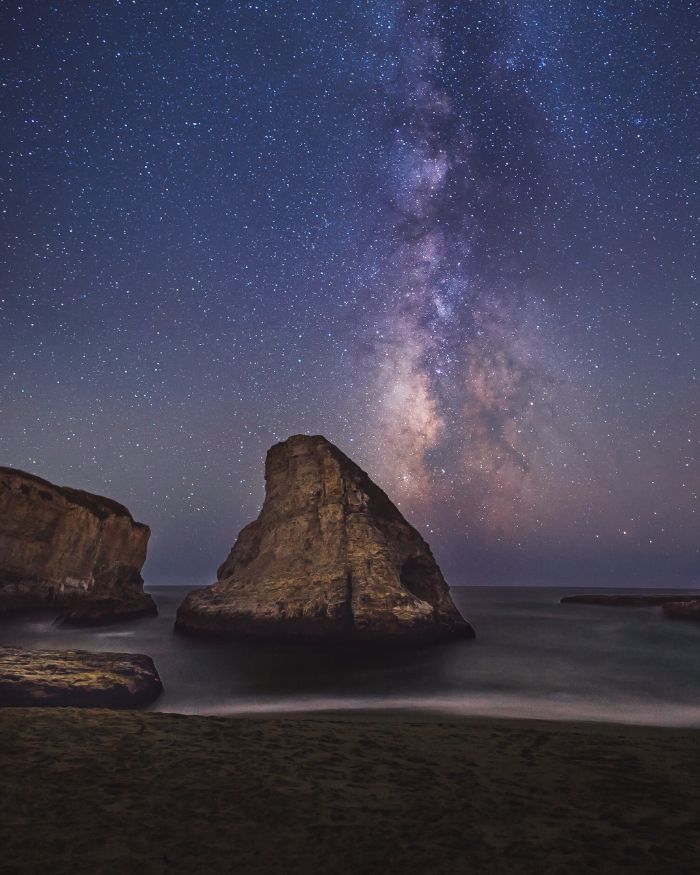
x,y
533,657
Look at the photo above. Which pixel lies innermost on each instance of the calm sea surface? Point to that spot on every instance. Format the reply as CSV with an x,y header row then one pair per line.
x,y
532,658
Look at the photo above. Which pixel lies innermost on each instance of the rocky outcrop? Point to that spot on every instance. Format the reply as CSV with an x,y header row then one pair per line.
x,y
103,612
688,609
77,678
330,558
630,601
62,548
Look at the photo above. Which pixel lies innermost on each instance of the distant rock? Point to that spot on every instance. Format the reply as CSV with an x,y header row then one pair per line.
x,y
65,548
688,609
330,558
102,612
630,601
77,678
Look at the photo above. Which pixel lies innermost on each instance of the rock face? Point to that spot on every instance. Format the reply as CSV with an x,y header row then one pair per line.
x,y
77,678
61,547
683,610
329,558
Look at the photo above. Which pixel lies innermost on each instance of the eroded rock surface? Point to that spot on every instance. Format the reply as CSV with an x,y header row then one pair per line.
x,y
329,558
62,547
77,678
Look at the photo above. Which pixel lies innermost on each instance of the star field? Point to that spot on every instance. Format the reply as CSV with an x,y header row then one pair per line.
x,y
458,239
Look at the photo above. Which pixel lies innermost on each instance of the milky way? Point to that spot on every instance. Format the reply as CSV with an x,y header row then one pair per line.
x,y
459,239
467,388
457,362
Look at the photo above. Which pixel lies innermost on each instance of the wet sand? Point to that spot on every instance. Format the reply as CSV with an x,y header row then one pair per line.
x,y
110,792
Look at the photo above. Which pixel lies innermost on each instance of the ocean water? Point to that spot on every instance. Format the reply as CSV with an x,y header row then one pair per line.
x,y
533,658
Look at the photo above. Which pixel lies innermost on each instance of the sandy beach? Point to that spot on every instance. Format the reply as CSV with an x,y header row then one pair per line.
x,y
97,791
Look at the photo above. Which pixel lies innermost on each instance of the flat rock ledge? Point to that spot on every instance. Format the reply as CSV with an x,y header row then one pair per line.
x,y
330,559
683,610
76,679
629,601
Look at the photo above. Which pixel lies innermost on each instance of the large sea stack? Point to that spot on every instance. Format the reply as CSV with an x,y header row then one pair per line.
x,y
330,558
68,549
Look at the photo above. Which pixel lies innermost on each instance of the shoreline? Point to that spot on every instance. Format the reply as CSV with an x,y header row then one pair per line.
x,y
96,790
380,715
254,710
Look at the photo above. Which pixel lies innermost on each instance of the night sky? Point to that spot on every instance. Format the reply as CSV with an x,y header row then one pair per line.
x,y
458,239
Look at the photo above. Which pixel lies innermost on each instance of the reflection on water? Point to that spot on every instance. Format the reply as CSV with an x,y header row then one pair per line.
x,y
532,658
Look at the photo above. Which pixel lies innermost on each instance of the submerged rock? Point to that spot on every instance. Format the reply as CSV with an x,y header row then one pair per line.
x,y
688,609
330,558
62,547
77,678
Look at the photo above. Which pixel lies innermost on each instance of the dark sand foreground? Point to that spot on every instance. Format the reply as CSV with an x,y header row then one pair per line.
x,y
121,792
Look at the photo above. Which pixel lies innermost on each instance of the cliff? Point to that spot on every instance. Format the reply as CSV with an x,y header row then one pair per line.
x,y
65,548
